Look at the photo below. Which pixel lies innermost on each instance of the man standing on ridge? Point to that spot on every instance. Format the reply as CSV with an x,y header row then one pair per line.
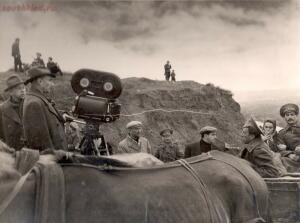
x,y
167,70
15,52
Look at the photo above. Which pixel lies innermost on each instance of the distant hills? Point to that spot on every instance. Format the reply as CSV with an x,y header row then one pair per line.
x,y
266,104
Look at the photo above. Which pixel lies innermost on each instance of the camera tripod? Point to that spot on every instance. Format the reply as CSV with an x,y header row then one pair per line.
x,y
93,142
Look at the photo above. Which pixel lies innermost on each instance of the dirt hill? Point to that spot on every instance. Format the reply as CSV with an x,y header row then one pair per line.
x,y
187,106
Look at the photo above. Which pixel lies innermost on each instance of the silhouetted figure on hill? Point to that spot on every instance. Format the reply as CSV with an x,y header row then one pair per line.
x,y
38,61
168,70
15,52
53,67
173,76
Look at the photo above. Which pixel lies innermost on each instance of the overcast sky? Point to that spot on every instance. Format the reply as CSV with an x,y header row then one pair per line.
x,y
238,45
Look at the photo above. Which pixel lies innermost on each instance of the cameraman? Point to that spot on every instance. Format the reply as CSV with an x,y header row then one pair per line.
x,y
43,125
134,143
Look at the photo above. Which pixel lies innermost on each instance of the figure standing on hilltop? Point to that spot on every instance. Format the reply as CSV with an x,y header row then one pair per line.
x,y
43,124
167,70
38,61
168,150
15,52
134,142
11,123
53,67
173,79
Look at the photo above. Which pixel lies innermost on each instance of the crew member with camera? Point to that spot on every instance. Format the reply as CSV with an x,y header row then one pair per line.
x,y
134,143
43,125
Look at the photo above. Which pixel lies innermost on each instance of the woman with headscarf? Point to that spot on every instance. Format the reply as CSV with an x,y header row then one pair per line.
x,y
270,136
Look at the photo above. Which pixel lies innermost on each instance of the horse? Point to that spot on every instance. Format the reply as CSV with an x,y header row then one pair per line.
x,y
210,188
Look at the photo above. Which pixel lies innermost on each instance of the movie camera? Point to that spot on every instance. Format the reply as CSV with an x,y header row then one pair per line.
x,y
95,103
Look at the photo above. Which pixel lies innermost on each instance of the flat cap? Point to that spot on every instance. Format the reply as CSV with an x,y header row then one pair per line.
x,y
251,123
208,129
289,108
12,82
35,73
133,124
166,130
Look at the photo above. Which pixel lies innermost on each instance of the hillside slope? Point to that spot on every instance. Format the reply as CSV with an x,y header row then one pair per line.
x,y
199,105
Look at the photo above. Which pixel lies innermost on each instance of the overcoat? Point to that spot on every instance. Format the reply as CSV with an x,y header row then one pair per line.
x,y
260,156
129,145
11,125
290,136
43,125
15,50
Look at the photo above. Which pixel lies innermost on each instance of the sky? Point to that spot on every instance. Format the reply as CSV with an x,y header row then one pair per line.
x,y
238,45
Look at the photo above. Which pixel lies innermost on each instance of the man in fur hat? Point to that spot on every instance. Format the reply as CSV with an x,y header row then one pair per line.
x,y
43,124
11,123
257,152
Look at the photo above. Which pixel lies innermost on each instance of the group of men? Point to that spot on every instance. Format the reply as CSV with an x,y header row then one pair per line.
x,y
30,118
37,62
267,160
168,73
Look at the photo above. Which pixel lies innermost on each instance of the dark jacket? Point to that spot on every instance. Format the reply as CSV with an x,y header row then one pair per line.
x,y
11,125
168,152
290,136
15,50
260,156
43,125
197,148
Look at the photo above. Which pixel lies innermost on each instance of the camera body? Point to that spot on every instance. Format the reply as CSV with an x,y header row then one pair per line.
x,y
97,95
97,109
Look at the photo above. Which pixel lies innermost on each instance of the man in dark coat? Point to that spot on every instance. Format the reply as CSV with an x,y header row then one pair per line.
x,y
257,152
15,52
11,124
206,144
43,125
167,70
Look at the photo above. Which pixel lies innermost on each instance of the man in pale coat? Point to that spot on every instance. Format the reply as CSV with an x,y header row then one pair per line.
x,y
134,142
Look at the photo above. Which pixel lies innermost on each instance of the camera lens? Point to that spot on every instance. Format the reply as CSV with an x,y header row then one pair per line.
x,y
84,82
108,86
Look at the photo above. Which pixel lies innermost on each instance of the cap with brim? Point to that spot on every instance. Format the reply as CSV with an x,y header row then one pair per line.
x,y
251,123
12,82
166,130
133,124
36,73
289,108
208,129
